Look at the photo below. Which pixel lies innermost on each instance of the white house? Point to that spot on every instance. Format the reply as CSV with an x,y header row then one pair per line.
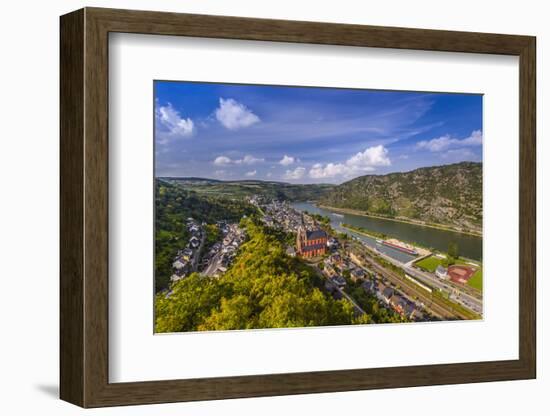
x,y
441,272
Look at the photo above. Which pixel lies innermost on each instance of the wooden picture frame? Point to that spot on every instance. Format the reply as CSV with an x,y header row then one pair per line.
x,y
84,207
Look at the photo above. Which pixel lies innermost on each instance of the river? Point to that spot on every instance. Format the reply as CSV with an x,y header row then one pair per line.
x,y
469,246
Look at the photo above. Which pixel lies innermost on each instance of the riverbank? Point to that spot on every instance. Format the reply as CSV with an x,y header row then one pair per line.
x,y
412,222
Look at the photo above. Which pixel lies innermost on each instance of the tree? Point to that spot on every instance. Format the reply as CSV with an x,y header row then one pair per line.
x,y
190,302
343,236
453,250
448,261
362,319
234,313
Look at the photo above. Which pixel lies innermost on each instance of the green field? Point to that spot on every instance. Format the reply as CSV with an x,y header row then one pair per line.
x,y
476,281
429,264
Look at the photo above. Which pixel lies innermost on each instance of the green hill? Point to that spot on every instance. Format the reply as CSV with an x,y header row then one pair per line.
x,y
244,188
449,195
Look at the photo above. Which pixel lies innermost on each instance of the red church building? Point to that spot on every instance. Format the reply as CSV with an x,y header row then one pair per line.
x,y
311,243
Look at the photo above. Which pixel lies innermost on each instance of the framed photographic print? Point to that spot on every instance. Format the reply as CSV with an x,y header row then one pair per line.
x,y
257,207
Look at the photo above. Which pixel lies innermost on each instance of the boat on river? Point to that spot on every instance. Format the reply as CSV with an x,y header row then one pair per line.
x,y
401,246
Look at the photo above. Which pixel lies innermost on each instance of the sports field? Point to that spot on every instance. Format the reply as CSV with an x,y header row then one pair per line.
x,y
460,274
476,281
429,264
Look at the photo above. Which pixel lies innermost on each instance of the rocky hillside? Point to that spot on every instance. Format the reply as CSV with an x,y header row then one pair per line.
x,y
449,195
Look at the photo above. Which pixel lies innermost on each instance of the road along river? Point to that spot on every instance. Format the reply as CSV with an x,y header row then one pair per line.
x,y
469,246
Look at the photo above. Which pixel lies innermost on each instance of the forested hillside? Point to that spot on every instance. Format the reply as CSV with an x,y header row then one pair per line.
x,y
448,195
172,206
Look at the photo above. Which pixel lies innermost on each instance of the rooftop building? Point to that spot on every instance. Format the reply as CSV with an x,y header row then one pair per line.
x,y
311,243
441,272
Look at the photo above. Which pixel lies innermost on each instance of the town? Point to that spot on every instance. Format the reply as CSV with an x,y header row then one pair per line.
x,y
345,263
340,261
216,260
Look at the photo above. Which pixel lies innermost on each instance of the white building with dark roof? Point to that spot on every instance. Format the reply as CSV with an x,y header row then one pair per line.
x,y
441,272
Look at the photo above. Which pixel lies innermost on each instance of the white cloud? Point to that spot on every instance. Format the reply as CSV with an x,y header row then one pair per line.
x,y
460,155
222,161
475,139
370,158
168,117
234,115
287,160
247,160
436,145
361,162
330,170
251,173
446,142
297,173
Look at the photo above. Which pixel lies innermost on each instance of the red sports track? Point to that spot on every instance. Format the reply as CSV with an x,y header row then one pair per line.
x,y
460,274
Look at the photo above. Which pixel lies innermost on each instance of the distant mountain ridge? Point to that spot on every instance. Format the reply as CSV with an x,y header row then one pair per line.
x,y
448,195
250,187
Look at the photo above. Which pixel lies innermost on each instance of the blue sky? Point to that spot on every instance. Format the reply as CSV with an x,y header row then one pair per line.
x,y
308,135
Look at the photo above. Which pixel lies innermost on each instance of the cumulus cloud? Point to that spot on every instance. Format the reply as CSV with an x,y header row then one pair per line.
x,y
287,160
295,174
370,158
436,145
361,162
246,160
222,161
475,139
446,142
249,160
458,155
173,123
234,115
330,170
251,173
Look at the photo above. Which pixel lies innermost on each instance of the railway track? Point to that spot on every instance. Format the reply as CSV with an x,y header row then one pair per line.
x,y
430,303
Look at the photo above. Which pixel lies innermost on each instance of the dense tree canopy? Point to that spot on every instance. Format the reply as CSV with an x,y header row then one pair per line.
x,y
264,288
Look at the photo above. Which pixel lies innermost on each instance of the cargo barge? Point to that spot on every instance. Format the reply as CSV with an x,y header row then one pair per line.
x,y
401,246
